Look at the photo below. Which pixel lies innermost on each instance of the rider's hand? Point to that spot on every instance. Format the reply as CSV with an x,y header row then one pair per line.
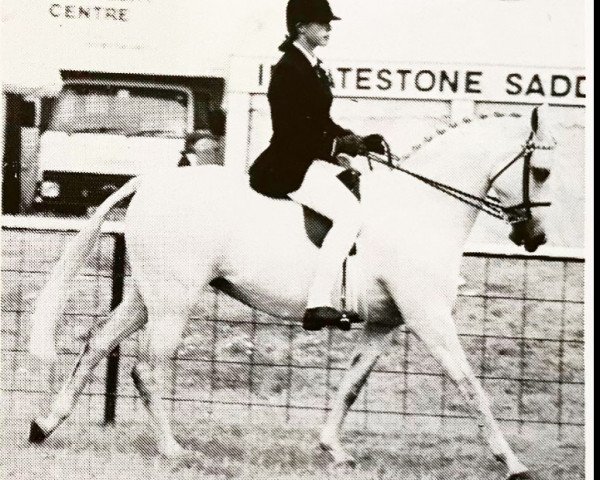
x,y
374,143
350,144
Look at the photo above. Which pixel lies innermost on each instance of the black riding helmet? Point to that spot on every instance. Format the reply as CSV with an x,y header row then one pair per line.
x,y
305,11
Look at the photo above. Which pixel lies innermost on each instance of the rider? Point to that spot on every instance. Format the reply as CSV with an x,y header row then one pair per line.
x,y
300,161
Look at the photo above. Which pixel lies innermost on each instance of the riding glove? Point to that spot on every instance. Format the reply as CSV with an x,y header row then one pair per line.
x,y
350,144
374,143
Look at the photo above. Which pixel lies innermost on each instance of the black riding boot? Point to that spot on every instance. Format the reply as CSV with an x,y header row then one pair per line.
x,y
319,317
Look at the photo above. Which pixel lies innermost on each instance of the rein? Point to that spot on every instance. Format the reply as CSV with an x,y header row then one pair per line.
x,y
511,214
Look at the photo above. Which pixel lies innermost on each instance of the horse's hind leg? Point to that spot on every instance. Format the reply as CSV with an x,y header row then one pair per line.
x,y
152,373
437,330
128,317
374,339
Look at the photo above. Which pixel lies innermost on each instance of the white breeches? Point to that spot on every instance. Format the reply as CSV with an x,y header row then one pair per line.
x,y
325,194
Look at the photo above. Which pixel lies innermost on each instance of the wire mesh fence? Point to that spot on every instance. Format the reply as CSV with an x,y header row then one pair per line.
x,y
520,321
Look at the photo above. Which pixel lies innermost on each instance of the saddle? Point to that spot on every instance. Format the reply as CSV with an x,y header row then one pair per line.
x,y
316,225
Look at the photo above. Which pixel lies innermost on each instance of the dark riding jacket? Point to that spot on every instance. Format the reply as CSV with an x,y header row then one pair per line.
x,y
303,131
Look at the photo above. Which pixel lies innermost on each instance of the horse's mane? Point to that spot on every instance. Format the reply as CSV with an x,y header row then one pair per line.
x,y
439,132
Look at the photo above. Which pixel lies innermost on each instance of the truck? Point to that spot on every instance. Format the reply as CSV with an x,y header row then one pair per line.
x,y
103,129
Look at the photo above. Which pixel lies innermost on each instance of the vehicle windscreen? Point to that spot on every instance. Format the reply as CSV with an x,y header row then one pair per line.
x,y
131,111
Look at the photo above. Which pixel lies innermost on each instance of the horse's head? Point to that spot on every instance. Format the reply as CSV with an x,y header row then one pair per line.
x,y
522,184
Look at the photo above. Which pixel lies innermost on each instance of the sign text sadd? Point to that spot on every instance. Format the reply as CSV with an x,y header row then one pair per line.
x,y
489,83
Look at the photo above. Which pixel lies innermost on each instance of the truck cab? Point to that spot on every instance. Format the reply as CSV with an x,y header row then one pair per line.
x,y
98,133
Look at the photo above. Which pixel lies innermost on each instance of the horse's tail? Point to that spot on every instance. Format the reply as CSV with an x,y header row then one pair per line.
x,y
51,302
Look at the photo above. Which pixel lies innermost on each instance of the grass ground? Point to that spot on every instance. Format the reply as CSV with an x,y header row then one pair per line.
x,y
231,362
221,451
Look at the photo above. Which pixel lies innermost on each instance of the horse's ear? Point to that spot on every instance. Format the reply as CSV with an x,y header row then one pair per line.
x,y
539,120
534,119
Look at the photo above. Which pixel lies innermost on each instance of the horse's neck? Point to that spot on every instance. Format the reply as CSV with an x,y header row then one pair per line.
x,y
459,158
463,158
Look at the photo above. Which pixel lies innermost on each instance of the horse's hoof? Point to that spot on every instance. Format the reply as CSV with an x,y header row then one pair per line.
x,y
36,434
523,476
173,452
341,460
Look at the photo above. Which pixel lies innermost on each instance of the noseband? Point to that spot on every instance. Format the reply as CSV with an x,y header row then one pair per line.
x,y
513,214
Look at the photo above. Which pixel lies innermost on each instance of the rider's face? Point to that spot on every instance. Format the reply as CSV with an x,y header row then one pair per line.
x,y
316,34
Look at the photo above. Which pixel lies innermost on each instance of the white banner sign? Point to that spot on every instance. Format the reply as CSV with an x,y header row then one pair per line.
x,y
431,81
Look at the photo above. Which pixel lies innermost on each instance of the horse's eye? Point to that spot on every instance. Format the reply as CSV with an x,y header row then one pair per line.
x,y
540,174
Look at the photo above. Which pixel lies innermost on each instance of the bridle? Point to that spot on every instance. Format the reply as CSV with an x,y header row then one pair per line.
x,y
522,211
512,214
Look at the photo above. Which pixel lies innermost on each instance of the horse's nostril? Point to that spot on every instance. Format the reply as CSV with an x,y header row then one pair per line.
x,y
539,239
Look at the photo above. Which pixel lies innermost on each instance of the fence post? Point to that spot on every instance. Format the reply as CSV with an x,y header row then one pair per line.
x,y
112,365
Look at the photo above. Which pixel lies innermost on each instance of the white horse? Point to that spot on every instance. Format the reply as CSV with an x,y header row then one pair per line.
x,y
187,228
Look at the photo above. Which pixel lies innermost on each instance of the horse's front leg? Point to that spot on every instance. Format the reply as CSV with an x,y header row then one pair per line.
x,y
129,316
373,340
436,328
